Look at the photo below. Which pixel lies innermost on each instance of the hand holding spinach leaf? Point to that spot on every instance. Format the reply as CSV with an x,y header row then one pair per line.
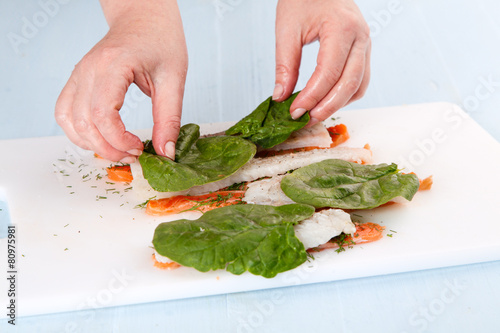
x,y
341,184
255,238
197,161
270,124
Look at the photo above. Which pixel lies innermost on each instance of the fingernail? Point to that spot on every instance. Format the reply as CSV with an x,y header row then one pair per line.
x,y
128,160
278,91
313,121
297,113
170,150
135,152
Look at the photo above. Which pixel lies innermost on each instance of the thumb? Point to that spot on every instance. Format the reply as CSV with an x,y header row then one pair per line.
x,y
167,98
288,54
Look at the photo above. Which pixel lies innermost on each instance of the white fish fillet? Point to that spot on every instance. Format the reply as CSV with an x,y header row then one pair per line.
x,y
323,226
267,192
255,169
162,259
315,136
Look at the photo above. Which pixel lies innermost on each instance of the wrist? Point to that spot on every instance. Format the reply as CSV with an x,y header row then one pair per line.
x,y
126,13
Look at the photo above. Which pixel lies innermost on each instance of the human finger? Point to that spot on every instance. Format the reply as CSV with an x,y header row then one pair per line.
x,y
366,77
84,125
332,56
106,101
167,96
345,88
63,113
288,55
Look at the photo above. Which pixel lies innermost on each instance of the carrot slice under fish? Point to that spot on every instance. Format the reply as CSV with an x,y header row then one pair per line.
x,y
165,265
120,173
425,184
201,203
365,233
339,134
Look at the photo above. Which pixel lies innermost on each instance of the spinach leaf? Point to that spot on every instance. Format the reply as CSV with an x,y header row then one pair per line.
x,y
198,161
188,134
255,238
341,184
270,123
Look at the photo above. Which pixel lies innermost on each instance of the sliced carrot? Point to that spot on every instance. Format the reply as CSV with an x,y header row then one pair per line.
x,y
96,155
425,184
201,203
339,134
365,233
120,173
165,265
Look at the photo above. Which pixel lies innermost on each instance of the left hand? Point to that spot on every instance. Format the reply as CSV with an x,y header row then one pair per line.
x,y
343,65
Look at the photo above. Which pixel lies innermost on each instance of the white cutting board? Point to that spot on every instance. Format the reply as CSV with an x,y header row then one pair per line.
x,y
75,252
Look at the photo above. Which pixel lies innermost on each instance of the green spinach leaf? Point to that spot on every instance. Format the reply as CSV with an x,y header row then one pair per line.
x,y
198,161
270,123
341,184
255,238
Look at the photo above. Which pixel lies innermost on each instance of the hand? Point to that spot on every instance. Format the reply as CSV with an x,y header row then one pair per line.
x,y
343,64
145,45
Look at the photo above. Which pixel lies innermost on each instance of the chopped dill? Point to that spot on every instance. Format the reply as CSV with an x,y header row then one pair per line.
x,y
217,201
342,240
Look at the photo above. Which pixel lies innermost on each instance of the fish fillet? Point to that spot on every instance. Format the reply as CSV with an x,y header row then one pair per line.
x,y
315,136
267,192
323,226
255,169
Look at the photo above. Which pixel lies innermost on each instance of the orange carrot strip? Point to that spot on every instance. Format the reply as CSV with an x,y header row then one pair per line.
x,y
201,203
425,184
120,173
365,233
339,134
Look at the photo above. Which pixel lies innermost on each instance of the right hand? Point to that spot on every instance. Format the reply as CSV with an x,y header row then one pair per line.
x,y
146,47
